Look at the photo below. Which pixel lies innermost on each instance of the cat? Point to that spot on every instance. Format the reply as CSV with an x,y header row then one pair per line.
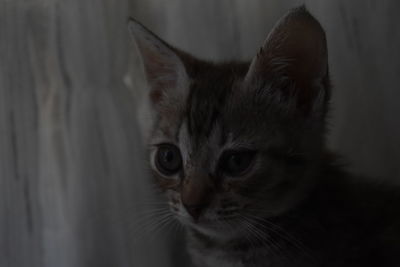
x,y
239,150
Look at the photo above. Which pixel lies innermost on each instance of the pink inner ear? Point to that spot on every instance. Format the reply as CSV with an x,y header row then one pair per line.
x,y
300,39
162,65
160,68
295,49
161,72
156,96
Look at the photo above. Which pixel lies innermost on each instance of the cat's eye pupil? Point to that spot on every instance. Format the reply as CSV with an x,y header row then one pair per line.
x,y
236,163
168,159
168,156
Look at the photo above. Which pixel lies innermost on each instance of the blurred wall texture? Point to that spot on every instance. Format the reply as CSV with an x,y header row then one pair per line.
x,y
72,181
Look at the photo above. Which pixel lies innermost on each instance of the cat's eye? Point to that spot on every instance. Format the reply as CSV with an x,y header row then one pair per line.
x,y
236,163
168,159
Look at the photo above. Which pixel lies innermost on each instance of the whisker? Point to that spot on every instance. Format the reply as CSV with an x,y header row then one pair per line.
x,y
282,233
162,225
263,237
144,224
249,234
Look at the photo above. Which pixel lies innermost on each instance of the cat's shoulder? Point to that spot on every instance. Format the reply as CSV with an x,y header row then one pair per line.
x,y
369,198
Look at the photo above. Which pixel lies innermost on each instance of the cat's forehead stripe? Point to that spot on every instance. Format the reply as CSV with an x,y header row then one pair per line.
x,y
205,104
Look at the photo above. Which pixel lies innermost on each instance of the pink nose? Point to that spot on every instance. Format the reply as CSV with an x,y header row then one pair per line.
x,y
195,210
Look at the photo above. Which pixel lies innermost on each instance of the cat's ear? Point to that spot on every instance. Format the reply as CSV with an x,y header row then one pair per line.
x,y
295,52
164,70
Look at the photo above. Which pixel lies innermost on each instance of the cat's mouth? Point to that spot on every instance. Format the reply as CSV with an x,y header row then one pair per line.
x,y
221,228
208,220
204,222
211,224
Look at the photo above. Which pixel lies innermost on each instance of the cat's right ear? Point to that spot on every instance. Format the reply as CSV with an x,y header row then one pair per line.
x,y
164,70
295,53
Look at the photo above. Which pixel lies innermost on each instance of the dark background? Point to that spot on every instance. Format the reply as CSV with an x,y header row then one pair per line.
x,y
72,183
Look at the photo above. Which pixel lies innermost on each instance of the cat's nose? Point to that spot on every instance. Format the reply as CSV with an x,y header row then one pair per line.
x,y
195,210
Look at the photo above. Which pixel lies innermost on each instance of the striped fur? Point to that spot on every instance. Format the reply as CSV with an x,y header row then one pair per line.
x,y
294,206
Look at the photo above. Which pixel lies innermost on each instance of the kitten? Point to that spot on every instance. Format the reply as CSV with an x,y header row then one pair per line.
x,y
239,150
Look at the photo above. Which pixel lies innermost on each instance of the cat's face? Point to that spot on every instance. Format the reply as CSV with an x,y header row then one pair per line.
x,y
235,142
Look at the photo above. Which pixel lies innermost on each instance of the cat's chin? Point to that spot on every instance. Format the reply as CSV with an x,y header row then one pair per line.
x,y
223,230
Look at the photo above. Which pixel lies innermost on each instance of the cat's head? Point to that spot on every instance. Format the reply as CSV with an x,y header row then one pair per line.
x,y
231,142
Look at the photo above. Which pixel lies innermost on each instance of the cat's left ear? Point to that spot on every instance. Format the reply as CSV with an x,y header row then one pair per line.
x,y
165,72
295,54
